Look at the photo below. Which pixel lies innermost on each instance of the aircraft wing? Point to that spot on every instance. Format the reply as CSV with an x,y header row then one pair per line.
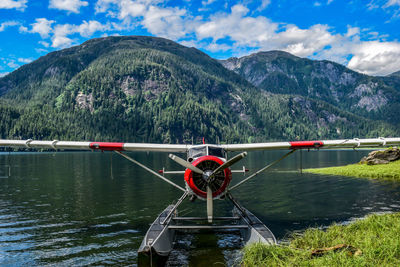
x,y
105,146
176,148
324,144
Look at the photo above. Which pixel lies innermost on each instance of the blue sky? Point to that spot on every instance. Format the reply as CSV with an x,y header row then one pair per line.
x,y
360,34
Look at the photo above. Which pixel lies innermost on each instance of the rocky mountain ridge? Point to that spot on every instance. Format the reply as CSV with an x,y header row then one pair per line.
x,y
283,73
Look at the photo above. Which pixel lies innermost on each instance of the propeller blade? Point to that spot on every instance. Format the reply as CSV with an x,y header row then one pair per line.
x,y
185,164
209,205
227,164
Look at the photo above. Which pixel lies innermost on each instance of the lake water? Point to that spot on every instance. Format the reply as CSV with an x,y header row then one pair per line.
x,y
86,208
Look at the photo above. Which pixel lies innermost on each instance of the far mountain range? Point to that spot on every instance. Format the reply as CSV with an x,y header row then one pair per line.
x,y
148,89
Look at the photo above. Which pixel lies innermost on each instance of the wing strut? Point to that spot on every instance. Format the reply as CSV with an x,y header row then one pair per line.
x,y
175,206
263,169
150,170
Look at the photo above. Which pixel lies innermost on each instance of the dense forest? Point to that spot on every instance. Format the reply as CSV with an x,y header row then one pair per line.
x,y
146,89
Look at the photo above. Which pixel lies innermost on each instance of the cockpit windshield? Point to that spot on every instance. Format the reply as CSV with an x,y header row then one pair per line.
x,y
199,151
216,151
196,152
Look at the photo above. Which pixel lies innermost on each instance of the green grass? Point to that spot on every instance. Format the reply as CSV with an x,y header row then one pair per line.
x,y
377,236
389,171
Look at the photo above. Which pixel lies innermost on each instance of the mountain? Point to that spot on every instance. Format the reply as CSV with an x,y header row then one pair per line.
x,y
283,73
148,89
395,74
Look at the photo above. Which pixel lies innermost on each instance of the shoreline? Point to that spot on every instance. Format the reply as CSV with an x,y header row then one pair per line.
x,y
372,241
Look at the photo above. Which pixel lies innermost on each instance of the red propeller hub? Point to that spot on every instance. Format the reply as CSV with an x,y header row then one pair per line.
x,y
198,182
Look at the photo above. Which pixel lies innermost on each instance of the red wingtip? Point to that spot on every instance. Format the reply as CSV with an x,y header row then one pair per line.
x,y
105,146
306,144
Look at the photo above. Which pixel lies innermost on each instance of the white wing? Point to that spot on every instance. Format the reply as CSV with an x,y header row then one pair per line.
x,y
107,146
344,143
110,146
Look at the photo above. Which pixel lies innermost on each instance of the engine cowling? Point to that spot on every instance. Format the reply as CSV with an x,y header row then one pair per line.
x,y
198,184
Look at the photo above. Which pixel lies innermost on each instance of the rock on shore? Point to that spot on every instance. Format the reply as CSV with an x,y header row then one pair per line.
x,y
381,156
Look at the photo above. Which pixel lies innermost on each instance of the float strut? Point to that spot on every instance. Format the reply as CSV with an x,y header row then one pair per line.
x,y
175,207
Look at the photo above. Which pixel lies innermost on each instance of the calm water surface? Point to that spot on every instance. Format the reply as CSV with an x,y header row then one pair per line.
x,y
63,209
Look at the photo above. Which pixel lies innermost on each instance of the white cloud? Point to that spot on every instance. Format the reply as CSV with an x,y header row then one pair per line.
x,y
42,26
107,35
2,74
61,41
209,2
215,47
41,50
12,64
124,8
60,33
45,44
392,3
352,31
22,29
264,4
25,60
60,37
321,3
261,33
376,58
103,6
68,5
238,27
7,24
390,6
301,42
87,29
11,4
131,8
169,22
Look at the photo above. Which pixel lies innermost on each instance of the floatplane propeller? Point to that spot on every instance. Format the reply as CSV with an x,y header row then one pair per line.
x,y
207,176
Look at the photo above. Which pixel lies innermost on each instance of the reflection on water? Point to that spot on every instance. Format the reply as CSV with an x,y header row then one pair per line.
x,y
77,208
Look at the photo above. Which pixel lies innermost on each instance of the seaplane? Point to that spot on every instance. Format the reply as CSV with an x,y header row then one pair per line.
x,y
207,175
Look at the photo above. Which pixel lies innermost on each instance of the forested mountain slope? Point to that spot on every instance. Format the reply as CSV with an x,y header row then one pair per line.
x,y
147,89
280,72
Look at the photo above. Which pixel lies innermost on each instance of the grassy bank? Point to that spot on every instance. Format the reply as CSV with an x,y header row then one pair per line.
x,y
373,241
389,171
